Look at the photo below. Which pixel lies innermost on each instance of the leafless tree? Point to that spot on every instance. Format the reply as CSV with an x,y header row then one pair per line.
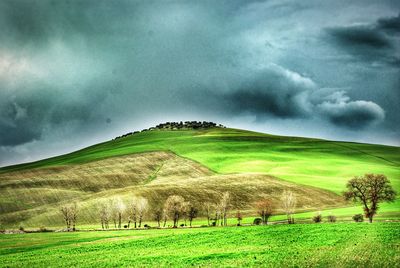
x,y
370,190
224,207
119,209
265,208
173,206
165,216
239,217
65,213
192,213
104,215
74,215
208,207
158,215
185,211
70,213
142,205
133,212
289,204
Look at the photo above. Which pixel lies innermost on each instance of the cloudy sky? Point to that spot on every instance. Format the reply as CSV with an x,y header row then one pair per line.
x,y
74,72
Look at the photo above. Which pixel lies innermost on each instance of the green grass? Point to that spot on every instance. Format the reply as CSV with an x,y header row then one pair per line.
x,y
299,245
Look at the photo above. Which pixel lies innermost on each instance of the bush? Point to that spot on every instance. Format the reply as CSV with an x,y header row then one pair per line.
x,y
21,228
257,221
182,225
125,226
146,226
358,218
331,218
317,218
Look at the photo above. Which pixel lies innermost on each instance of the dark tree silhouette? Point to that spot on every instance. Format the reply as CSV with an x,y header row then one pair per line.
x,y
370,190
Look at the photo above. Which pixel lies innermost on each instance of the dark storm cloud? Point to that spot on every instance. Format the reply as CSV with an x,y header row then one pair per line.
x,y
373,42
275,92
391,25
77,72
342,111
360,36
270,92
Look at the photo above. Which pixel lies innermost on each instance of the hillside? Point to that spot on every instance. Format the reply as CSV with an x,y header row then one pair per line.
x,y
198,164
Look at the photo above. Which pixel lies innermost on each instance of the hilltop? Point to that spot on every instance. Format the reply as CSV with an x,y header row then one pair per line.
x,y
196,163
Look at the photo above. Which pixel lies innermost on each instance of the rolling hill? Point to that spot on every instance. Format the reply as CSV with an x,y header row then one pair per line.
x,y
197,164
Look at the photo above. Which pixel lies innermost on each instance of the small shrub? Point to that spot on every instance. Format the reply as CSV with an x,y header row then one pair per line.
x,y
146,226
358,218
317,218
125,226
21,228
214,223
331,218
257,221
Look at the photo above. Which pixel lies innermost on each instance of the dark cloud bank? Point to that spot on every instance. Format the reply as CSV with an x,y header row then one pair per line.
x,y
77,72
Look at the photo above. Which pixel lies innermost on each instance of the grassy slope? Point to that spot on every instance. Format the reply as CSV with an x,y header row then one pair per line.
x,y
33,197
319,163
304,245
324,164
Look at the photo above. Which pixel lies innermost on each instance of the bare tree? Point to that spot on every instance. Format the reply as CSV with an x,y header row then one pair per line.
x,y
173,206
65,213
192,213
142,205
104,215
133,212
265,208
208,207
73,215
224,207
218,215
119,209
165,216
289,204
158,215
239,217
185,211
370,190
70,213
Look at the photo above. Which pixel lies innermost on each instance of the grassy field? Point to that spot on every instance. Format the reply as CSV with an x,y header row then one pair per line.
x,y
299,245
198,165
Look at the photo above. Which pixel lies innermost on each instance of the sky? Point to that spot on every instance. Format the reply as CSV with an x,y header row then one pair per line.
x,y
74,73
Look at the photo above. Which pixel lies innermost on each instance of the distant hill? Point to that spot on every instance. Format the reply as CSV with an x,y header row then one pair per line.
x,y
196,162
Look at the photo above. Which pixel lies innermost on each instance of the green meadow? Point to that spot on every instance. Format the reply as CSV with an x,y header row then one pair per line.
x,y
298,245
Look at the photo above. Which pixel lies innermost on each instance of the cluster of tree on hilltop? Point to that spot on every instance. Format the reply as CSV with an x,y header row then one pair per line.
x,y
187,125
177,126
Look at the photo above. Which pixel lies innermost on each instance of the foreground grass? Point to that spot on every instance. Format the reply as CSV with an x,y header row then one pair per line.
x,y
333,245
